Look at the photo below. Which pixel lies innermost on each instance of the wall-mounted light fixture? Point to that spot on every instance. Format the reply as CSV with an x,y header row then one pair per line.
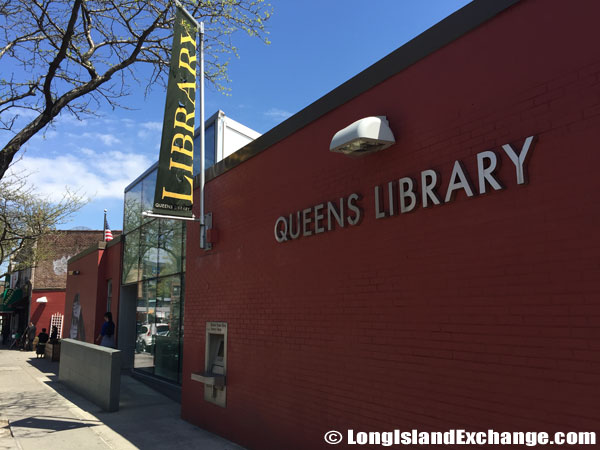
x,y
368,135
42,300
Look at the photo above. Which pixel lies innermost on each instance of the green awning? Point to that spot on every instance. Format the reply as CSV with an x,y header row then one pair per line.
x,y
10,297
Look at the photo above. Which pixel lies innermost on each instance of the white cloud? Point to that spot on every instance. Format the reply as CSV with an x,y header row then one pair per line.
x,y
45,134
155,126
106,138
94,174
71,120
150,129
21,112
277,114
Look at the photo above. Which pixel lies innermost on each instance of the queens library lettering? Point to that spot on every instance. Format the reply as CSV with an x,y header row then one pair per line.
x,y
403,195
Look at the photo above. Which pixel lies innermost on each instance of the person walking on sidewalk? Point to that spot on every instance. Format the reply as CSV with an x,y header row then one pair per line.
x,y
28,337
107,333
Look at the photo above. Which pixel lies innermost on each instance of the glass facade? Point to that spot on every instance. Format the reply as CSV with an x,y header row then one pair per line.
x,y
154,260
210,147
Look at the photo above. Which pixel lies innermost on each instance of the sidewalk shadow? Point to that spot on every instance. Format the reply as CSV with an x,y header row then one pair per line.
x,y
49,424
49,368
144,418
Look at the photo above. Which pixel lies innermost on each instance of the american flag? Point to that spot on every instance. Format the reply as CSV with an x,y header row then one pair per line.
x,y
107,233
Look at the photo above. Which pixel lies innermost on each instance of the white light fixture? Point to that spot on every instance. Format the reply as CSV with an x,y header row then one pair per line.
x,y
42,300
368,135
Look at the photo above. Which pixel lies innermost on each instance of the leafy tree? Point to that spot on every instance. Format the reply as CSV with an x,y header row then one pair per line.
x,y
24,219
75,55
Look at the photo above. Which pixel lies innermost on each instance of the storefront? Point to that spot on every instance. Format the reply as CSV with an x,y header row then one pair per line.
x,y
449,281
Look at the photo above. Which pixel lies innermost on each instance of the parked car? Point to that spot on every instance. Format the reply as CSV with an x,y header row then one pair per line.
x,y
146,335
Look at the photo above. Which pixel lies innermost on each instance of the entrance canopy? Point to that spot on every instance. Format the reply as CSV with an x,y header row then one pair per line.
x,y
9,298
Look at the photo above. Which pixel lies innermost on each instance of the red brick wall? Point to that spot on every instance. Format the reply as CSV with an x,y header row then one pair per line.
x,y
41,313
85,285
110,268
59,247
95,269
481,313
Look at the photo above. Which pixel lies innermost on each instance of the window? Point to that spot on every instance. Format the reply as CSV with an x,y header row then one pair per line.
x,y
109,294
131,257
154,259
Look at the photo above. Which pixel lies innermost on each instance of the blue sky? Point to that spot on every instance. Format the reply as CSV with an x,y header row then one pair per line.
x,y
315,47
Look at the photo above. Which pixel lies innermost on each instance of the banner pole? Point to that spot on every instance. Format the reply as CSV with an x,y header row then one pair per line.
x,y
202,144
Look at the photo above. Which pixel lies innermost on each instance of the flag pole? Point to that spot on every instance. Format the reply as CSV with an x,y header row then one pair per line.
x,y
104,227
200,27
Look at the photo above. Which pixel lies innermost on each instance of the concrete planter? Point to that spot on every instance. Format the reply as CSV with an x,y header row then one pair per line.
x,y
52,351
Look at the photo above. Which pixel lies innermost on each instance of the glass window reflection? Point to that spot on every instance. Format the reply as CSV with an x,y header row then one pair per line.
x,y
154,258
146,327
209,149
149,249
132,208
168,315
148,187
170,247
131,257
159,333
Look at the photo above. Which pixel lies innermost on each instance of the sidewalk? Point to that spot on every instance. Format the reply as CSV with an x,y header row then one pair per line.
x,y
37,411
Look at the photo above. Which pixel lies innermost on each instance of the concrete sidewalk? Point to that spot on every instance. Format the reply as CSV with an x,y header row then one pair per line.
x,y
37,411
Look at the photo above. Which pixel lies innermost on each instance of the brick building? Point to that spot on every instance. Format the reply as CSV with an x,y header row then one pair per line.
x,y
92,289
478,311
49,277
42,288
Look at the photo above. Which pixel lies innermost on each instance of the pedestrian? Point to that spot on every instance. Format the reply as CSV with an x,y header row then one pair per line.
x,y
16,340
107,333
54,335
23,341
30,336
40,348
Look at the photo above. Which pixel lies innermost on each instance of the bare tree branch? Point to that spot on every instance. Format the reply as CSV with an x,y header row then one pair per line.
x,y
25,217
57,58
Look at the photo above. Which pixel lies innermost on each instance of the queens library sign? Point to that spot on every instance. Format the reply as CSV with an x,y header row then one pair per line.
x,y
403,195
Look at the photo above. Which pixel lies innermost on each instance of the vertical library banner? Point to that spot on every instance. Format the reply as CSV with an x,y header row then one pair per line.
x,y
175,182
